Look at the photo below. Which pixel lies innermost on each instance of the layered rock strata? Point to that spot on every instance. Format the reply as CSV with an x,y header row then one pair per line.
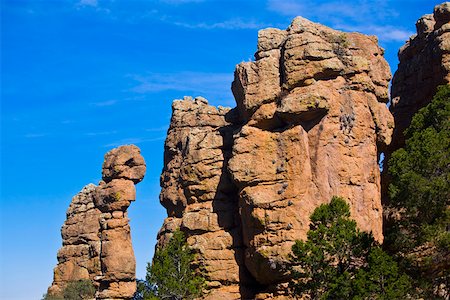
x,y
199,195
424,65
310,121
96,235
79,256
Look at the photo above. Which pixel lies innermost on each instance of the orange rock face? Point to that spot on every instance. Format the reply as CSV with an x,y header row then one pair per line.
x,y
315,135
424,64
310,122
79,257
199,195
96,235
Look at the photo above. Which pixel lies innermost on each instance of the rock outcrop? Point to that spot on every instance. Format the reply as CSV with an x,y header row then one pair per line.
x,y
96,235
310,122
79,256
199,195
424,65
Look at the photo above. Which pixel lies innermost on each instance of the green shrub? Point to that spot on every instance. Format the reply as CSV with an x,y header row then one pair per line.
x,y
75,290
420,195
337,261
171,275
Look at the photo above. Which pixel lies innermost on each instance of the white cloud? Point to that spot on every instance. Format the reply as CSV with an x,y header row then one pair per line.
x,y
104,103
128,141
101,133
216,85
232,24
35,135
93,3
385,33
286,7
332,11
182,81
176,2
156,129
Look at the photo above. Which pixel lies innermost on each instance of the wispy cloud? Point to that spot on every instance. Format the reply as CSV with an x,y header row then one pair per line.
x,y
232,24
215,85
157,129
93,3
286,7
176,2
386,33
359,15
35,135
104,103
101,133
356,10
137,140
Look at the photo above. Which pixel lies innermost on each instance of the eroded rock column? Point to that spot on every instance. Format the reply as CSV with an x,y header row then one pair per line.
x,y
199,196
96,235
122,169
79,256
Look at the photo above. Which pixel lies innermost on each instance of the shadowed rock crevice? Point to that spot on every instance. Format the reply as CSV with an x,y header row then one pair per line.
x,y
201,198
424,65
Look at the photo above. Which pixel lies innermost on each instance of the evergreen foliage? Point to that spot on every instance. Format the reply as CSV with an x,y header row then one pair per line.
x,y
171,275
75,290
337,261
420,192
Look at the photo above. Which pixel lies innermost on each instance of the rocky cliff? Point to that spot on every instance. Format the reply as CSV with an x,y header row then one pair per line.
x,y
424,65
96,235
310,122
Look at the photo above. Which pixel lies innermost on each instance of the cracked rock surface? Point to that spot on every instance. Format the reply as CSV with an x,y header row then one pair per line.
x,y
96,234
310,122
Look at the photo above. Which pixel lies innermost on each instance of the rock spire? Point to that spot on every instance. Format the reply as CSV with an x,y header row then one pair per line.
x,y
96,235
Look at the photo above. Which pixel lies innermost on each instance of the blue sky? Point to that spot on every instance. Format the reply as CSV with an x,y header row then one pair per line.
x,y
81,77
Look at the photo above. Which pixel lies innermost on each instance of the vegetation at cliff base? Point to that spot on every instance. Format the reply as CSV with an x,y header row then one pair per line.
x,y
75,290
337,261
418,230
171,275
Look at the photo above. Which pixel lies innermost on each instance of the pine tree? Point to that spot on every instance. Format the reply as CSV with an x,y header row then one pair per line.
x,y
337,261
420,195
171,275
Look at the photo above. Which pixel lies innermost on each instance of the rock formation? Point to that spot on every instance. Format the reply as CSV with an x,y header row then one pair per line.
x,y
96,235
424,65
79,257
199,195
310,122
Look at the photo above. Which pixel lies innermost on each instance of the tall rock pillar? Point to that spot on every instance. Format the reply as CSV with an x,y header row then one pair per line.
x,y
96,235
122,169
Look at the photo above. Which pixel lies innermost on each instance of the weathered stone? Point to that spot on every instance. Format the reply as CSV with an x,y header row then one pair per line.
x,y
96,235
199,195
79,257
115,195
311,123
124,162
424,65
332,120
